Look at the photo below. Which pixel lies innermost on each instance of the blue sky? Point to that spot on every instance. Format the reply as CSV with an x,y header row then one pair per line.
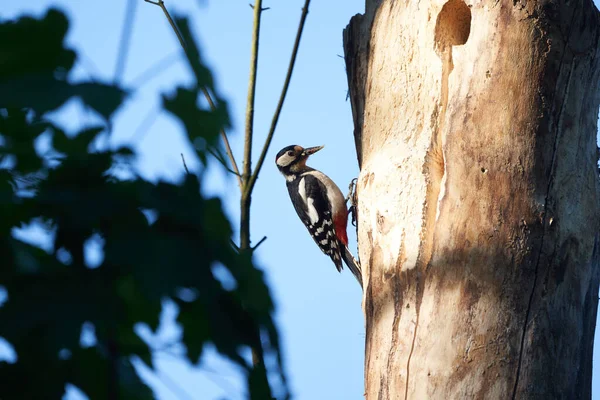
x,y
318,310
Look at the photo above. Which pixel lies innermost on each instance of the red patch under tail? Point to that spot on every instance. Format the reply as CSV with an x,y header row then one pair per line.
x,y
339,222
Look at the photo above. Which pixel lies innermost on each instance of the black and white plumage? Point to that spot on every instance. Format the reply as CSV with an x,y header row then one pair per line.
x,y
320,205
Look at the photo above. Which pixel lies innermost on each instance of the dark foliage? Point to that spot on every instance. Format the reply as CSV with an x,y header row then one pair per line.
x,y
72,192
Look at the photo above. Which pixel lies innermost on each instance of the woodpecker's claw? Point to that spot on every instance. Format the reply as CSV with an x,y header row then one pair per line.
x,y
352,210
352,198
351,191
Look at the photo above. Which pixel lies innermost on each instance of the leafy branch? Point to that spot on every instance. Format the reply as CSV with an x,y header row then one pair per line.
x,y
73,190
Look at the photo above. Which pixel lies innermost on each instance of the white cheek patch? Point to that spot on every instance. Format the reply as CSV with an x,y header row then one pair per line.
x,y
285,160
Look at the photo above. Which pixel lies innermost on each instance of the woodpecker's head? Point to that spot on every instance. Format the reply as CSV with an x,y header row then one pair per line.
x,y
291,160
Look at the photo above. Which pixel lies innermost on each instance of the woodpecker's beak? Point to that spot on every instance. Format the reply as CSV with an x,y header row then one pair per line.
x,y
311,150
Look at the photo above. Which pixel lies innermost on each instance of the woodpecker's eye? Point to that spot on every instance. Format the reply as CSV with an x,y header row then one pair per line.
x,y
290,153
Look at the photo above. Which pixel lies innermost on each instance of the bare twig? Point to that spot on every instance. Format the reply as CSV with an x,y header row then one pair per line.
x,y
248,178
259,243
235,246
170,384
161,4
88,65
262,9
187,171
125,40
250,184
222,161
145,125
209,99
247,164
235,171
155,69
216,155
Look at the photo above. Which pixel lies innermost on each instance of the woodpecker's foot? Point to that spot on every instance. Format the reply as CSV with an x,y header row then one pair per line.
x,y
351,191
351,197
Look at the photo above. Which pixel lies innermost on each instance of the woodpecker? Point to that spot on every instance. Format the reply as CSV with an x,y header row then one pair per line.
x,y
320,205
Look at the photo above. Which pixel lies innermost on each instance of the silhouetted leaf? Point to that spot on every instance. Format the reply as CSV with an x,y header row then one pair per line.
x,y
88,370
158,240
18,381
35,46
198,123
79,144
44,93
193,318
104,99
19,133
192,52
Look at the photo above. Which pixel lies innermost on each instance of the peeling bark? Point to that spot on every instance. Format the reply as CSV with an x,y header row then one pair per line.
x,y
478,196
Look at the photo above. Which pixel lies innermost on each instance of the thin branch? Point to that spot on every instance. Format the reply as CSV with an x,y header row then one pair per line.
x,y
262,9
286,84
224,382
235,171
125,40
187,171
247,164
209,99
88,65
259,243
222,161
235,246
155,69
216,155
145,125
161,4
167,351
170,384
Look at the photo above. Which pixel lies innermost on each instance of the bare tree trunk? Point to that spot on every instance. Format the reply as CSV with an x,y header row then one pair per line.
x,y
478,196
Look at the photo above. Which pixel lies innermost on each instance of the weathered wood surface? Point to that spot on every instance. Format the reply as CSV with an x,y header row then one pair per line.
x,y
478,196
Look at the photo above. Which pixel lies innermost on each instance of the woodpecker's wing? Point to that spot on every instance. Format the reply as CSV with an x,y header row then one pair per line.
x,y
309,196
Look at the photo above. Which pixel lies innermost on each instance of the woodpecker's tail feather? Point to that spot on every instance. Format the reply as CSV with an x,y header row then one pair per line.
x,y
352,264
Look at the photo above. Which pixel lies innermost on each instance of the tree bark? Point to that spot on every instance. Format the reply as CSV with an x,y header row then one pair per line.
x,y
478,196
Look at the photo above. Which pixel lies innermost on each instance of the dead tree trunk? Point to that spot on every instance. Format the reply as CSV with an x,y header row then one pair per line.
x,y
478,196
